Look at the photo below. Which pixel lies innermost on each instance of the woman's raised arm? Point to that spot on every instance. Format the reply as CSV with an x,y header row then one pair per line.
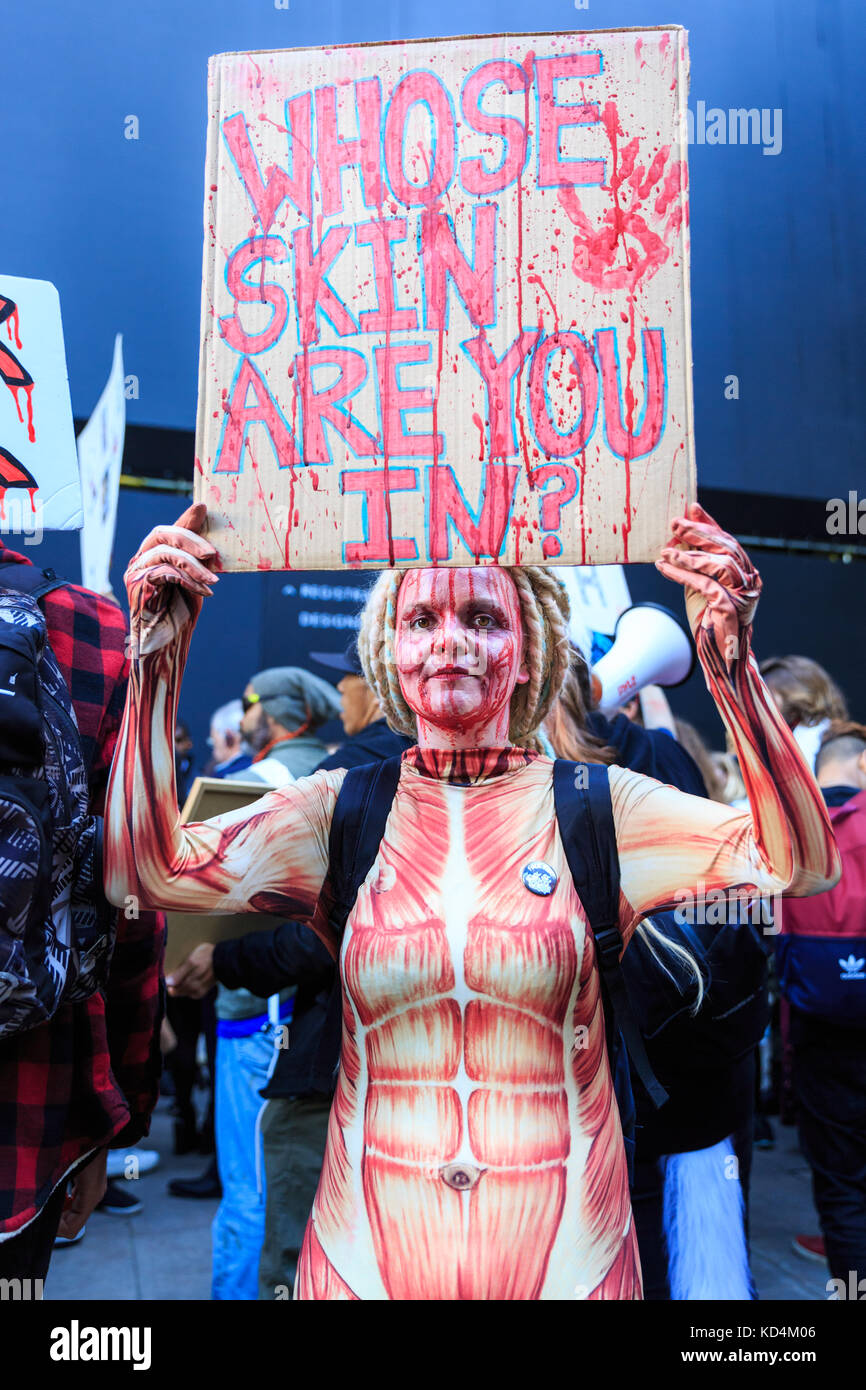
x,y
268,857
673,846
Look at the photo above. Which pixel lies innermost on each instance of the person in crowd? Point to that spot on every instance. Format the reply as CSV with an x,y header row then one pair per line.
x,y
184,757
198,1014
808,698
279,709
367,735
458,1128
294,1122
229,752
709,1094
821,955
87,1079
688,738
190,1018
283,708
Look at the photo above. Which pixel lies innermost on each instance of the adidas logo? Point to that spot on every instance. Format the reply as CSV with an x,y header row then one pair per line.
x,y
852,968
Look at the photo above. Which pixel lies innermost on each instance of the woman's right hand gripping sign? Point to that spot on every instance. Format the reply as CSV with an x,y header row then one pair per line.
x,y
173,569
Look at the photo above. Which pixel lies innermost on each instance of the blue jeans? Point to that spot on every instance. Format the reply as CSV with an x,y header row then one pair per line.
x,y
242,1067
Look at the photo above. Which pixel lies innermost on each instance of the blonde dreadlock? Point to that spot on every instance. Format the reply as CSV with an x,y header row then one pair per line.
x,y
544,610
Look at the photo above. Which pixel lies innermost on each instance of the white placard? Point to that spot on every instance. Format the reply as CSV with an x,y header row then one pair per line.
x,y
598,594
100,451
39,483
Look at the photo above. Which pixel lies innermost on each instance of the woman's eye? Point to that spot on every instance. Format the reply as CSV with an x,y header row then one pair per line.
x,y
419,621
484,620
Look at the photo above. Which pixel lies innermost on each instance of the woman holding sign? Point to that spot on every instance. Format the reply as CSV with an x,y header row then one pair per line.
x,y
475,1148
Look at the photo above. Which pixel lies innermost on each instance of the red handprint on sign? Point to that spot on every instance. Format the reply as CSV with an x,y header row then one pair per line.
x,y
624,249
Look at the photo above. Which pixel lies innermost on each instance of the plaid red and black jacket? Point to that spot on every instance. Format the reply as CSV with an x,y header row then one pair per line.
x,y
75,1083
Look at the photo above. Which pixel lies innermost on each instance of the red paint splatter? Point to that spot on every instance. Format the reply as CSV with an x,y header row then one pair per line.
x,y
12,327
623,251
479,425
28,392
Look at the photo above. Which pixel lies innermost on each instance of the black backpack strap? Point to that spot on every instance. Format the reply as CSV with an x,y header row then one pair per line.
x,y
28,579
584,813
357,827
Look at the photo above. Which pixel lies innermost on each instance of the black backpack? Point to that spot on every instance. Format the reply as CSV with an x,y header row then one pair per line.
x,y
585,816
56,927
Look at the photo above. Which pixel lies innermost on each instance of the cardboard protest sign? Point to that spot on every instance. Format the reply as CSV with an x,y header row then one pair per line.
x,y
445,305
39,483
207,798
100,453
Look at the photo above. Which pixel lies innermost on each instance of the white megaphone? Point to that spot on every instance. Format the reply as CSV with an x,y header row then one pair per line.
x,y
649,648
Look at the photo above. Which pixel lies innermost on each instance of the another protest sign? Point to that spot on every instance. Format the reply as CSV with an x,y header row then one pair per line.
x,y
598,594
39,484
100,453
445,302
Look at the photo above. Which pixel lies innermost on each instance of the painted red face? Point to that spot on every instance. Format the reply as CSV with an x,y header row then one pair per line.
x,y
459,654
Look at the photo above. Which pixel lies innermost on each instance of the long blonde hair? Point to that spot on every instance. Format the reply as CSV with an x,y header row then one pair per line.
x,y
544,611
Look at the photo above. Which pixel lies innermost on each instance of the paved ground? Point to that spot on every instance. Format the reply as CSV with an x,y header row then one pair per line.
x,y
164,1252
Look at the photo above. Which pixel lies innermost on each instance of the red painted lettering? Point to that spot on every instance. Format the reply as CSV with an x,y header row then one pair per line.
x,y
554,117
333,153
266,195
395,399
483,533
380,236
499,376
312,290
378,543
474,177
474,281
556,442
620,435
247,255
326,404
418,87
240,416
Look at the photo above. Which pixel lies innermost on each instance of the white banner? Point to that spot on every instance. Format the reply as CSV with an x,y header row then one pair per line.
x,y
598,594
100,451
39,485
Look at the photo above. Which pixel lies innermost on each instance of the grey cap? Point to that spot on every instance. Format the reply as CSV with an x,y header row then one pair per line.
x,y
294,696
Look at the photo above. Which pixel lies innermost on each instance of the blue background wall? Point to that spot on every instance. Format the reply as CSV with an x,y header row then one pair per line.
x,y
778,275
777,264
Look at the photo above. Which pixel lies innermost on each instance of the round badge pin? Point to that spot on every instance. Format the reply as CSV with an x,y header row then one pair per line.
x,y
539,878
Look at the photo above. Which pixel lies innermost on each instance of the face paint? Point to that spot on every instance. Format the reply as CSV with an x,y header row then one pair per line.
x,y
459,650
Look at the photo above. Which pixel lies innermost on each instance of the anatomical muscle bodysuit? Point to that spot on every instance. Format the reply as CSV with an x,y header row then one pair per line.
x,y
474,1149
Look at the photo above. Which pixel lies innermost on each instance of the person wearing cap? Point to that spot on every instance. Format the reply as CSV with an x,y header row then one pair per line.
x,y
283,706
368,737
294,1123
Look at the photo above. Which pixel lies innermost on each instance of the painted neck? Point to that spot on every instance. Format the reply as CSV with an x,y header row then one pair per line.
x,y
458,734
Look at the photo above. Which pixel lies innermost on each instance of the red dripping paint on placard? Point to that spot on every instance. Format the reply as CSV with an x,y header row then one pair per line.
x,y
623,251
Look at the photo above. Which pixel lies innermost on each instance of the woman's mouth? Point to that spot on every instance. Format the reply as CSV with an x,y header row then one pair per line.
x,y
449,672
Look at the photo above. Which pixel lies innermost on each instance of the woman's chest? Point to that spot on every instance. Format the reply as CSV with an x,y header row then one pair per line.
x,y
470,898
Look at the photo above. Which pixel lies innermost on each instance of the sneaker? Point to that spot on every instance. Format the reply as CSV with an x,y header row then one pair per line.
x,y
764,1138
120,1160
810,1248
118,1201
69,1240
207,1187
